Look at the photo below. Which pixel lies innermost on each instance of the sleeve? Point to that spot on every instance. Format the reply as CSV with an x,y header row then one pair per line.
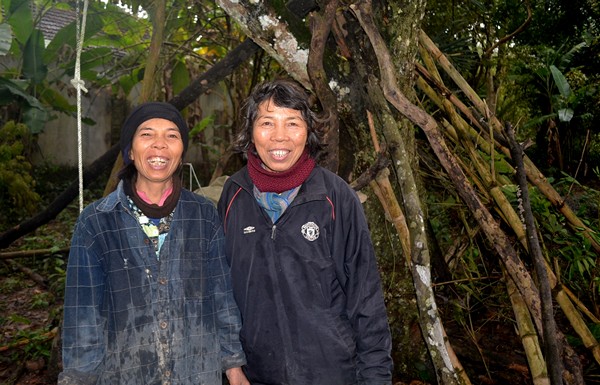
x,y
359,276
83,330
227,313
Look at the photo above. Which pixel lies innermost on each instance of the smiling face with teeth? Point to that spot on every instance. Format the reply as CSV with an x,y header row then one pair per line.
x,y
156,152
279,135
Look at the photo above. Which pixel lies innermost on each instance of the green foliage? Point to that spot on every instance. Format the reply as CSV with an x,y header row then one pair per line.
x,y
16,184
41,300
55,267
570,248
16,318
201,126
5,38
10,284
31,87
34,114
18,15
39,345
34,68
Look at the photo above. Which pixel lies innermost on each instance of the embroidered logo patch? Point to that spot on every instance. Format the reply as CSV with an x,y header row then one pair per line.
x,y
249,229
310,231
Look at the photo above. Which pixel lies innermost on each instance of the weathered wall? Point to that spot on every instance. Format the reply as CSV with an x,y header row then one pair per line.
x,y
57,144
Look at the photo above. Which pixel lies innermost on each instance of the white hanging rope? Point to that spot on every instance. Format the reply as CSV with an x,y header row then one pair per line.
x,y
79,85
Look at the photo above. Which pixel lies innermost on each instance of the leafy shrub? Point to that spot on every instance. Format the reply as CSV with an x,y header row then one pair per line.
x,y
17,186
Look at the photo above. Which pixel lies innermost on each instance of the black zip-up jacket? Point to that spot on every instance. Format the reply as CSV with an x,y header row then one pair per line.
x,y
307,286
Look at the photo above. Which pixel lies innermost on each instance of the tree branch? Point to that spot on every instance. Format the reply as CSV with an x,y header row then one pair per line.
x,y
551,343
320,29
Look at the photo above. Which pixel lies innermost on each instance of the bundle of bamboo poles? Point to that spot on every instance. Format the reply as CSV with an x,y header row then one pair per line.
x,y
474,129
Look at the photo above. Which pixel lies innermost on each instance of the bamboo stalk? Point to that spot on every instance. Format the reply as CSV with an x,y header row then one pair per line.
x,y
384,191
580,305
589,341
528,335
448,370
45,336
32,253
509,214
534,175
394,96
580,327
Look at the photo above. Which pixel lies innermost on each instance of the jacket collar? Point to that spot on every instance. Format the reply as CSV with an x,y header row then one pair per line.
x,y
312,188
113,199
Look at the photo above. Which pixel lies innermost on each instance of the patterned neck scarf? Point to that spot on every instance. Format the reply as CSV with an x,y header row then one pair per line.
x,y
155,228
275,204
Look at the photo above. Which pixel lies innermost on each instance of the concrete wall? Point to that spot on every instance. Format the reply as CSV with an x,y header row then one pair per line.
x,y
58,143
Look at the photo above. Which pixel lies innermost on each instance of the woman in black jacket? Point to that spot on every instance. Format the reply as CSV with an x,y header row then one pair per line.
x,y
303,267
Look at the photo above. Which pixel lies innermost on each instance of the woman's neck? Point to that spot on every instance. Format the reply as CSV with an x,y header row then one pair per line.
x,y
154,193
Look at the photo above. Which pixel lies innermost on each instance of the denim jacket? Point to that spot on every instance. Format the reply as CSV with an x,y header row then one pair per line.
x,y
132,318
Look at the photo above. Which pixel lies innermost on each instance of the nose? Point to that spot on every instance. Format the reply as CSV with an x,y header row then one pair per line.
x,y
159,142
279,133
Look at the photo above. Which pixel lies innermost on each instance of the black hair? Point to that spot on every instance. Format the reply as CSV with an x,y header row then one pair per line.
x,y
283,93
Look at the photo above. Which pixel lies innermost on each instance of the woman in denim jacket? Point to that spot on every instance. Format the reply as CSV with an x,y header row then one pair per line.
x,y
148,295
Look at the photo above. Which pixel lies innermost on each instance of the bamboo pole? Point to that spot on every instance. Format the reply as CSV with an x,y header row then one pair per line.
x,y
508,213
382,187
44,336
534,175
394,96
447,367
489,225
528,335
32,253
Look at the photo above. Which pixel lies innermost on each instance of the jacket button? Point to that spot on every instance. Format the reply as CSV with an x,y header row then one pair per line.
x,y
146,241
163,324
162,281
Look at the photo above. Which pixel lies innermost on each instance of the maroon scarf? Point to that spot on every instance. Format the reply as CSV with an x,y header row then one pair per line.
x,y
278,182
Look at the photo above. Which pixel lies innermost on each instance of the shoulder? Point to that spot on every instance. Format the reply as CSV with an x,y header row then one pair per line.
x,y
191,201
331,182
239,180
102,205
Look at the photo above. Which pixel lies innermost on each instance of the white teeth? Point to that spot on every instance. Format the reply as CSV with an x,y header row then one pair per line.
x,y
280,153
157,161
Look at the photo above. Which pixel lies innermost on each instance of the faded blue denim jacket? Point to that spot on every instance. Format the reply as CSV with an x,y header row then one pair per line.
x,y
132,318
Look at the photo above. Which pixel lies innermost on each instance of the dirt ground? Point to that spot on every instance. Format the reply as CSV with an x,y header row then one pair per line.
x,y
36,365
31,366
504,365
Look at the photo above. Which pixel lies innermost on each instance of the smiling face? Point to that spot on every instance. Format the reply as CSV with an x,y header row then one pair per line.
x,y
279,135
156,152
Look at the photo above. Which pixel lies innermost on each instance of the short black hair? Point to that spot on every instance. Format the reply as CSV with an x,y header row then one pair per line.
x,y
283,93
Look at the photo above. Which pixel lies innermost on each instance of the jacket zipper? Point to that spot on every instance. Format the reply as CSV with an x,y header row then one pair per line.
x,y
273,232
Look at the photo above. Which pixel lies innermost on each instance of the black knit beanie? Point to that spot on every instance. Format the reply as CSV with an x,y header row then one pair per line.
x,y
148,111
